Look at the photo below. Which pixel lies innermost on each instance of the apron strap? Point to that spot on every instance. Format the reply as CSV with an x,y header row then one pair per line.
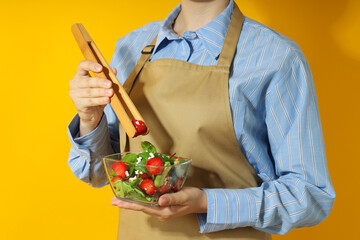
x,y
129,83
231,39
145,55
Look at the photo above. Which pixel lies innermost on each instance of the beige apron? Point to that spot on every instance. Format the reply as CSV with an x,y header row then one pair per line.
x,y
188,111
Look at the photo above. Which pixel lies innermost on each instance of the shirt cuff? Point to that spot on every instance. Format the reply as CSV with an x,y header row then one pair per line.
x,y
227,209
94,141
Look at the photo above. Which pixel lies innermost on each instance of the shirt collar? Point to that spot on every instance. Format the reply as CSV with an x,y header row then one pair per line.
x,y
166,30
212,34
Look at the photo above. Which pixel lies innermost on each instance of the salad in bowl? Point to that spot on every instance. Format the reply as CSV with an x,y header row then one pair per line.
x,y
144,177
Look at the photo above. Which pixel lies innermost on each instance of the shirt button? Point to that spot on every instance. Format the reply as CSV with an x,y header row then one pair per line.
x,y
193,35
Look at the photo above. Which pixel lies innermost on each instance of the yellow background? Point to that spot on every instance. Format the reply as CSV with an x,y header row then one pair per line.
x,y
42,199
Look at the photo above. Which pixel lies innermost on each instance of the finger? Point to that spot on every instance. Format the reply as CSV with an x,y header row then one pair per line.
x,y
170,199
83,103
114,201
93,82
161,213
150,210
93,92
85,66
114,70
171,212
125,205
128,205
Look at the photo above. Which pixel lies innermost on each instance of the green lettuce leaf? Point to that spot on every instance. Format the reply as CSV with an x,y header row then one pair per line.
x,y
119,188
164,158
148,147
145,156
112,173
131,157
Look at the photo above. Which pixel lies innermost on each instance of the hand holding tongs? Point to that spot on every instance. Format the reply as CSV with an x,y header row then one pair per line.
x,y
120,102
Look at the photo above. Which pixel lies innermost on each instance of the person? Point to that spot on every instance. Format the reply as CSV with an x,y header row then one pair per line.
x,y
235,96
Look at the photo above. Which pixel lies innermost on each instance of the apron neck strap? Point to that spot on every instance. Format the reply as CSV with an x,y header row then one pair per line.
x,y
145,55
231,39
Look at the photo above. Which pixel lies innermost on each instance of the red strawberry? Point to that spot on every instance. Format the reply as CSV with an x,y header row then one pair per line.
x,y
114,179
164,188
154,166
178,184
119,168
148,186
144,176
140,127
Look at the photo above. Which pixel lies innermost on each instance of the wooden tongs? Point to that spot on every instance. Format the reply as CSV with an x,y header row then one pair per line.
x,y
120,102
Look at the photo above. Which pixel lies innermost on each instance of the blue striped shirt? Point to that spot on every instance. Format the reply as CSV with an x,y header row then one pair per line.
x,y
275,115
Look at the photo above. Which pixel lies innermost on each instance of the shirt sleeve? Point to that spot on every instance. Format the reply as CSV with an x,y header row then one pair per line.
x,y
301,194
86,153
85,158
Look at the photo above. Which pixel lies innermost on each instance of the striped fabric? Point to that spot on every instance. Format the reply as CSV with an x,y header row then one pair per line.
x,y
275,115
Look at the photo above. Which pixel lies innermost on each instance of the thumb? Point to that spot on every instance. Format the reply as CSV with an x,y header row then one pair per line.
x,y
170,199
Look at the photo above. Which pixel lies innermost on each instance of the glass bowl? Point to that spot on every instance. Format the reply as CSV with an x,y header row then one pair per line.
x,y
136,177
